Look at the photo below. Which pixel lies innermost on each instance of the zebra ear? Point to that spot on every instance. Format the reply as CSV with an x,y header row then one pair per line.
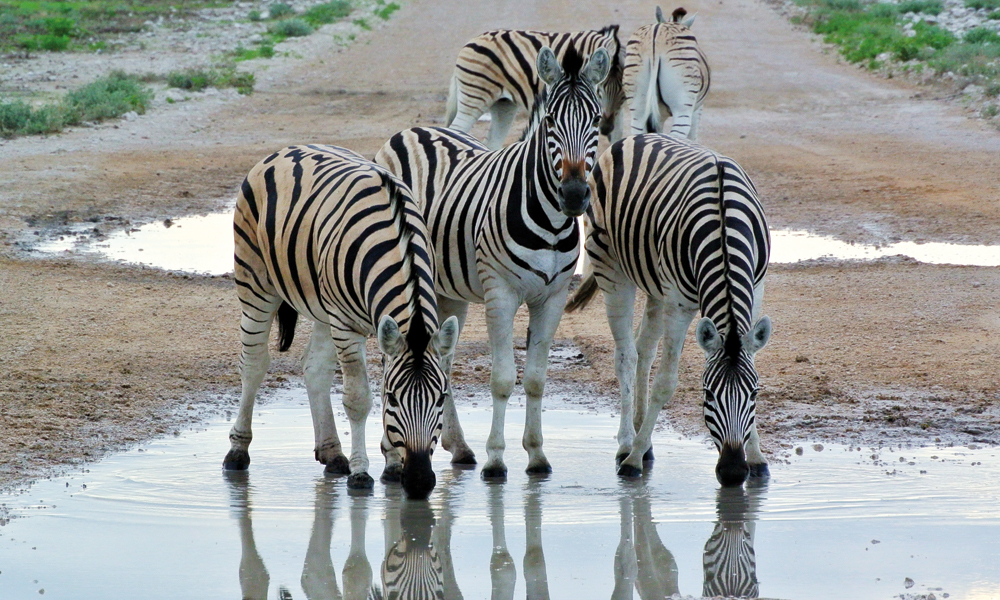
x,y
757,337
597,67
659,15
708,336
688,22
390,340
446,337
548,67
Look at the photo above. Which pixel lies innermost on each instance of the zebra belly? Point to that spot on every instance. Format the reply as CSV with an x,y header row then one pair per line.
x,y
546,270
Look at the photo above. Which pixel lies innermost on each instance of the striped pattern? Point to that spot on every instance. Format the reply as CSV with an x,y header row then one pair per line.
x,y
322,232
683,225
730,563
665,73
496,72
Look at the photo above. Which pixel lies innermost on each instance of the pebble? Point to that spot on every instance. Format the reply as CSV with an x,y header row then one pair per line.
x,y
907,583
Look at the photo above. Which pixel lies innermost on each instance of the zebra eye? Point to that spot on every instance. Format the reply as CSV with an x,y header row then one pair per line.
x,y
597,120
391,399
709,397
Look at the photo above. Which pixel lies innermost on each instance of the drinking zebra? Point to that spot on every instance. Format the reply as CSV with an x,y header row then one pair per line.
x,y
665,74
684,225
503,228
322,232
729,561
496,72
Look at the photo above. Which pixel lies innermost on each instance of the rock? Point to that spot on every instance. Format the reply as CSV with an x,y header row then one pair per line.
x,y
130,115
799,451
801,358
907,583
876,542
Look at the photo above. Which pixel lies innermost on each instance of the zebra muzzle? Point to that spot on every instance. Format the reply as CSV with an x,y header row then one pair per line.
x,y
418,476
732,468
574,196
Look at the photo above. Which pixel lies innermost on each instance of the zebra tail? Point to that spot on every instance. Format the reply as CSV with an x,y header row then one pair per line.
x,y
287,318
584,294
452,106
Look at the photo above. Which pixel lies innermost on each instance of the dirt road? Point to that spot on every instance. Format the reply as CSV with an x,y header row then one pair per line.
x,y
96,356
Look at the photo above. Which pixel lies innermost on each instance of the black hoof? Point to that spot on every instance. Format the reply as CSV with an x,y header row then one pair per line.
x,y
620,459
393,474
760,470
494,473
543,469
360,481
338,466
629,471
648,456
467,459
236,460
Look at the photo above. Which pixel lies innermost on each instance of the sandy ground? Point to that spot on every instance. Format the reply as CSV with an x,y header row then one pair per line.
x,y
96,356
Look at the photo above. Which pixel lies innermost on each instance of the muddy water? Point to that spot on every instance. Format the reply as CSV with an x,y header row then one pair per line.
x,y
163,521
204,244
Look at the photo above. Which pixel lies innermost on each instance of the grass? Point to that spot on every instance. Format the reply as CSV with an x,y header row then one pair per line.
x,y
289,28
106,98
264,50
930,7
223,77
987,4
280,10
385,10
329,12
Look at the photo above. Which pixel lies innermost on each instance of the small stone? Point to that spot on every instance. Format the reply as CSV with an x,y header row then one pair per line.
x,y
799,451
907,583
130,115
876,542
818,447
801,358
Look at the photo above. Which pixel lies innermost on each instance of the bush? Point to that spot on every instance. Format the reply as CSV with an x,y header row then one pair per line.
x,y
265,50
970,60
290,28
991,111
280,10
52,43
19,118
386,11
981,35
930,7
199,79
993,89
987,4
864,36
254,15
321,14
107,98
60,26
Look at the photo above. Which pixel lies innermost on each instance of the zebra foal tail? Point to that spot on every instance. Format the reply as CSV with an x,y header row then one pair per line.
x,y
584,294
451,110
287,318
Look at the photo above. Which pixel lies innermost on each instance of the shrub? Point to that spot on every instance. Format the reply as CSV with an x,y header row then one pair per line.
x,y
107,98
290,28
987,4
993,90
254,15
981,35
321,14
930,7
969,60
60,26
991,111
386,11
199,79
994,15
280,10
265,50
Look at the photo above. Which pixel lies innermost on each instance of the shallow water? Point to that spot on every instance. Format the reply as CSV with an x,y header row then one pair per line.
x,y
204,244
164,521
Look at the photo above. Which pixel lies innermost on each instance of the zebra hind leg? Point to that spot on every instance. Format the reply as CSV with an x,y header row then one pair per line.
x,y
319,366
647,343
501,118
357,403
619,304
452,435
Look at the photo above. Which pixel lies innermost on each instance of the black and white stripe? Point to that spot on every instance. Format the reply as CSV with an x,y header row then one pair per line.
x,y
324,233
684,225
503,226
729,561
496,72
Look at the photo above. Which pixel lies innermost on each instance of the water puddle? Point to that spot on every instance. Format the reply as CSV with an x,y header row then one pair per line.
x,y
163,521
204,244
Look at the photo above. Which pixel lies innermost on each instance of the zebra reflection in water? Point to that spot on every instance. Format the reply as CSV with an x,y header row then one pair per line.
x,y
729,560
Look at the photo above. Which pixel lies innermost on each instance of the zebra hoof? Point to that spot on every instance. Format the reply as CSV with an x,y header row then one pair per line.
x,y
760,470
464,459
338,466
541,469
392,474
648,456
236,460
360,481
626,470
494,472
620,459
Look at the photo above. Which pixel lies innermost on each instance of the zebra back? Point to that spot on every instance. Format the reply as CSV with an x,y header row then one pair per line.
x,y
502,64
339,239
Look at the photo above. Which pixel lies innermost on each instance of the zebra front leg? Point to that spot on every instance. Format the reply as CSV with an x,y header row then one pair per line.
x,y
319,578
357,404
319,365
755,458
619,305
543,319
650,332
503,573
501,306
677,319
255,329
452,436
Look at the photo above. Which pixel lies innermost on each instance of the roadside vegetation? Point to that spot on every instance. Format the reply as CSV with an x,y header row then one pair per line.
x,y
897,38
107,98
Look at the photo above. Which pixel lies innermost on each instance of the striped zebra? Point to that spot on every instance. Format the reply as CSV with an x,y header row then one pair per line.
x,y
503,227
324,233
496,72
665,74
684,225
729,561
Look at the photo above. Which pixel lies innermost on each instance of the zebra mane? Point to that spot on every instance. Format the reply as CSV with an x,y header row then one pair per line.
x,y
538,111
418,331
732,341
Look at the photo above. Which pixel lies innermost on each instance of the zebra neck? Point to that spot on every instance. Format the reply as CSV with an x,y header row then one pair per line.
x,y
541,188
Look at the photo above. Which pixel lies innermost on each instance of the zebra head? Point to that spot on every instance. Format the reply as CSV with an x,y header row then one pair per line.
x,y
413,394
611,91
731,384
573,111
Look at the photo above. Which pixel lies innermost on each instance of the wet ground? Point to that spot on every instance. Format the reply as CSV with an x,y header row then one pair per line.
x,y
164,521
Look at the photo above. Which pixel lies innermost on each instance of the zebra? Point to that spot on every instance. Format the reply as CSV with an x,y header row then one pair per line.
x,y
320,231
504,230
729,561
642,562
684,225
495,72
665,74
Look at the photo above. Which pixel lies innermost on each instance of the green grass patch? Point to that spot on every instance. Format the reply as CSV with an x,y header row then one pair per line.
x,y
991,111
862,36
106,98
980,62
385,10
987,4
362,23
930,7
265,50
199,79
290,28
280,10
981,35
329,12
